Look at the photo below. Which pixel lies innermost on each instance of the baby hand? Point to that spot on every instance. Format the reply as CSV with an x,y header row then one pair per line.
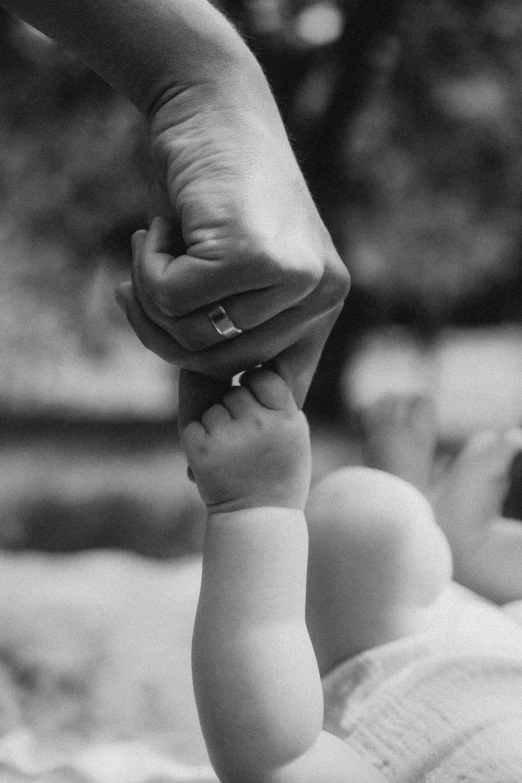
x,y
252,449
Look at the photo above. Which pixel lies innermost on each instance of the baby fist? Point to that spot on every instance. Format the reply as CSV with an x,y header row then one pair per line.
x,y
252,448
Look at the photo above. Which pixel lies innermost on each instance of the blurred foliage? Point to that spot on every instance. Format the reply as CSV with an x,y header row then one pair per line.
x,y
407,120
74,162
65,496
405,116
408,123
435,155
74,171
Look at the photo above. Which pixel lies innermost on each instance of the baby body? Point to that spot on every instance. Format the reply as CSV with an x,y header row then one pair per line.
x,y
337,649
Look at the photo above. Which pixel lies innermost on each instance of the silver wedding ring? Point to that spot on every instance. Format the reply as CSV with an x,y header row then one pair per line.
x,y
221,322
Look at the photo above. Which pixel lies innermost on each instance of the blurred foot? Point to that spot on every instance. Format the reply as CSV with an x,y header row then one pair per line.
x,y
400,437
468,502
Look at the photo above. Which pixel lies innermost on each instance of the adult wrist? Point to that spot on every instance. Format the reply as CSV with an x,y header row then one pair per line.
x,y
197,48
232,109
225,64
236,96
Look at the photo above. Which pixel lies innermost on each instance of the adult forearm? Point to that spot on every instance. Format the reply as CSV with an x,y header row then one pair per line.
x,y
142,47
255,675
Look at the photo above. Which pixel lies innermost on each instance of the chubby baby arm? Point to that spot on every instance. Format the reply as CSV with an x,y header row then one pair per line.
x,y
251,449
255,673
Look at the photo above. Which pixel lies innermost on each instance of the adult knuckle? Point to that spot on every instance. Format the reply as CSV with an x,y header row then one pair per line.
x,y
296,268
342,278
334,287
326,275
268,264
306,277
299,268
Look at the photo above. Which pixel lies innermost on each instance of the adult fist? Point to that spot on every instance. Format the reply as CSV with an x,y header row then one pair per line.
x,y
237,227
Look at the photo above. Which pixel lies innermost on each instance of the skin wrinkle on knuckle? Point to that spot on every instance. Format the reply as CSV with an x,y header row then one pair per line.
x,y
335,286
295,271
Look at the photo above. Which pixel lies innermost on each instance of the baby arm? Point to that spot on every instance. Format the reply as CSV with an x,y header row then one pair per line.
x,y
256,678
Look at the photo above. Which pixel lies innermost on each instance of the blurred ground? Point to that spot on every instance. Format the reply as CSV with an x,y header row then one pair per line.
x,y
121,486
95,669
406,118
95,645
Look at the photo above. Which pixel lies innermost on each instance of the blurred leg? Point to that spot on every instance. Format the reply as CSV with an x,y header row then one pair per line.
x,y
486,547
377,562
400,436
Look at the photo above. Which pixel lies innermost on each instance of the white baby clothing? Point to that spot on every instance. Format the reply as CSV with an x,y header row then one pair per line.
x,y
444,706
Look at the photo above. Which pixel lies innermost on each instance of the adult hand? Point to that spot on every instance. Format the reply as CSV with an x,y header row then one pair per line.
x,y
243,228
239,227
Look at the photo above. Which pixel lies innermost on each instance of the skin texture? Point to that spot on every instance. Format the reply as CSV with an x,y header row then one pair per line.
x,y
255,670
239,224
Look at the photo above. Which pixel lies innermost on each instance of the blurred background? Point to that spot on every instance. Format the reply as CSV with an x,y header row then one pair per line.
x,y
406,116
407,120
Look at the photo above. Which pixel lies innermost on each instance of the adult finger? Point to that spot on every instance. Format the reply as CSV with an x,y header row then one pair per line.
x,y
194,331
177,283
295,336
257,303
297,363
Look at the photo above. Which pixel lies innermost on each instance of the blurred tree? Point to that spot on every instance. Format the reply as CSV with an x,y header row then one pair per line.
x,y
74,170
405,116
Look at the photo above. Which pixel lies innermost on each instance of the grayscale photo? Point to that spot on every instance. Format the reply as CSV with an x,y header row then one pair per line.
x,y
260,391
